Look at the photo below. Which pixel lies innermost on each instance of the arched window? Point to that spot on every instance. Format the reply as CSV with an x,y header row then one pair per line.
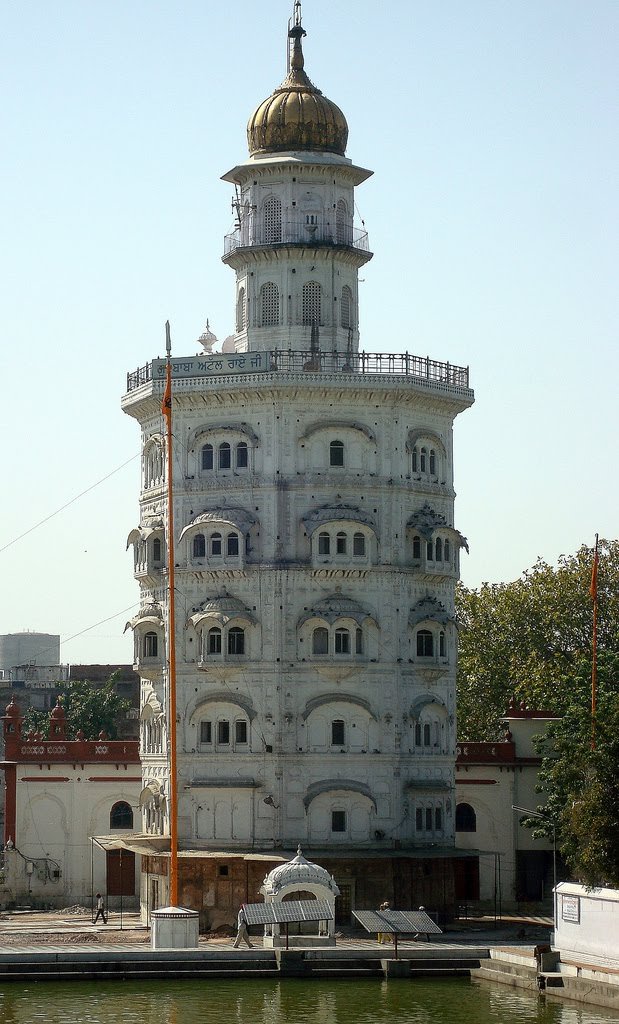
x,y
216,544
466,819
311,303
429,551
415,461
342,229
232,544
336,453
236,640
269,305
320,641
241,311
156,550
242,455
121,815
199,546
427,739
358,640
441,645
338,733
151,645
358,545
346,307
425,644
272,220
214,640
342,641
438,549
417,547
438,818
446,551
340,543
225,455
207,457
324,544
423,460
432,462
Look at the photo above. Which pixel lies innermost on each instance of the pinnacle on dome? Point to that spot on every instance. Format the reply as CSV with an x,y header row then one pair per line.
x,y
297,116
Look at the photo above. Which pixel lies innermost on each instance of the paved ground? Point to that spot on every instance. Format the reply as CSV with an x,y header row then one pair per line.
x,y
59,930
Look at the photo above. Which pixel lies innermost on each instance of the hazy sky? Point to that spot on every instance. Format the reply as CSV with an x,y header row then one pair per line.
x,y
492,131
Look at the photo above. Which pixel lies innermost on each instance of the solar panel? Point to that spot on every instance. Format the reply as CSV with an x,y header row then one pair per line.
x,y
288,911
397,922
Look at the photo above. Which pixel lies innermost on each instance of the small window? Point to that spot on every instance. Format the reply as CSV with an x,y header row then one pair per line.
x,y
214,640
338,821
358,640
358,545
236,641
151,645
417,547
432,462
324,544
199,546
156,550
426,735
272,220
311,303
336,453
206,732
429,551
216,544
340,543
438,818
269,305
240,731
446,551
346,307
241,313
232,544
121,815
242,455
438,550
207,457
415,460
342,641
418,734
320,641
429,817
441,645
423,458
425,644
466,819
225,455
338,733
419,819
223,732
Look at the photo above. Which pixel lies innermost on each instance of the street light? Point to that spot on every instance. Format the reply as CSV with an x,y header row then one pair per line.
x,y
537,814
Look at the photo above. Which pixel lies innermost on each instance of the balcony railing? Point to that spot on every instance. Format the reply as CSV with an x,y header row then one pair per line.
x,y
296,233
400,364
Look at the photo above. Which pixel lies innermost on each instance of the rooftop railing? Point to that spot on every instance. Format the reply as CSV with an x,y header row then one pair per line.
x,y
297,233
401,364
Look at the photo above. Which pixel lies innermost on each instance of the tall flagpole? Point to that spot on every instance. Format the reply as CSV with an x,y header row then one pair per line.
x,y
166,408
593,590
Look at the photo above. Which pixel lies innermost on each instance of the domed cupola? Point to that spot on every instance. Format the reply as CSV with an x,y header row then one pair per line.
x,y
298,874
297,117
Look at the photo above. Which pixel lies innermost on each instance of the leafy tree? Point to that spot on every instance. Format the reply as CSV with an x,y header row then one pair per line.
x,y
531,640
88,708
580,781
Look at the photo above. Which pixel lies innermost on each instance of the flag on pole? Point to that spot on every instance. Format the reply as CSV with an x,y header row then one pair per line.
x,y
593,589
166,403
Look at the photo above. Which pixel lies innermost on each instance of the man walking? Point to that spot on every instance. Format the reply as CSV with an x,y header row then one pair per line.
x,y
241,929
100,909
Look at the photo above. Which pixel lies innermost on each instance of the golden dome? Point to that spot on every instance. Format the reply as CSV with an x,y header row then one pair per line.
x,y
297,116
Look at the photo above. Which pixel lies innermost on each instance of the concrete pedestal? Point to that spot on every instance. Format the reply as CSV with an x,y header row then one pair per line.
x,y
174,928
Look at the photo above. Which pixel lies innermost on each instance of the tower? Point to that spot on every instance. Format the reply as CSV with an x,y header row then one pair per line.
x,y
316,553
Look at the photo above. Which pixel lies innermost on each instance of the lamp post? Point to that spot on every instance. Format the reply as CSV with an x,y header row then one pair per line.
x,y
544,817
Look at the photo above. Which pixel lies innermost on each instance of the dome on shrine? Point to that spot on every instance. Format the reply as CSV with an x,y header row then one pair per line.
x,y
300,873
297,116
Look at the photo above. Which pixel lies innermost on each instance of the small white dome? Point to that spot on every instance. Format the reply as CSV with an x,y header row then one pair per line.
x,y
299,872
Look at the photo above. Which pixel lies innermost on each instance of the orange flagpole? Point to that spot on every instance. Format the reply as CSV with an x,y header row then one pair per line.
x,y
593,590
166,408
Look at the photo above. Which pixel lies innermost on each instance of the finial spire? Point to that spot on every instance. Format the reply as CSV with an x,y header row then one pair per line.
x,y
295,33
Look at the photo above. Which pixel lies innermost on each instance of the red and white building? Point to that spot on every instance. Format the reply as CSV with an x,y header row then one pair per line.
x,y
60,794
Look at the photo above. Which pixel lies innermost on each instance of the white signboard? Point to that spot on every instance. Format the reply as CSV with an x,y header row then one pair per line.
x,y
570,909
217,363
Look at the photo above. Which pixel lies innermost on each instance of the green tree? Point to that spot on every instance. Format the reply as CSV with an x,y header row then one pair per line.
x,y
88,708
580,783
531,640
